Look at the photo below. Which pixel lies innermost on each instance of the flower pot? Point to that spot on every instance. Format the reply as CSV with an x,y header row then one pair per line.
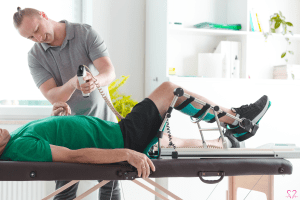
x,y
277,30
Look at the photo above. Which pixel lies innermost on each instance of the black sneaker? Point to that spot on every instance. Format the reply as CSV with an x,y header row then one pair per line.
x,y
253,112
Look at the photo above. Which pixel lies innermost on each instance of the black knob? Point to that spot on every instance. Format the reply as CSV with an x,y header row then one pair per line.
x,y
178,92
281,170
32,174
120,173
216,108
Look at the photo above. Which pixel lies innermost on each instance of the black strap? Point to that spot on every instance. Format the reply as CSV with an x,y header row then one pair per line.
x,y
219,116
203,110
185,103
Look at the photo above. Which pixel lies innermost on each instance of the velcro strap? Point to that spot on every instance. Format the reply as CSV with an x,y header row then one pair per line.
x,y
203,110
219,116
185,103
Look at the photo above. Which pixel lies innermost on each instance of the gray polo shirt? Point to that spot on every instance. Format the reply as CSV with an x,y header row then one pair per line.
x,y
82,45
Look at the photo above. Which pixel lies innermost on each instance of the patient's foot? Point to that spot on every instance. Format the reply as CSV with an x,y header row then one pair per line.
x,y
254,112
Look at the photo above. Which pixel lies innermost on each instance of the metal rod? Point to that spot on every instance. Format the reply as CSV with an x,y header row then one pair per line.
x,y
212,129
164,122
166,117
211,107
219,126
203,141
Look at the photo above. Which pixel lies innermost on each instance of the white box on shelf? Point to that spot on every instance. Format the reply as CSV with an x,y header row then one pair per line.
x,y
290,72
230,50
210,65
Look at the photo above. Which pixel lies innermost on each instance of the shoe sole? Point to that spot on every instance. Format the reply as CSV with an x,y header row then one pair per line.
x,y
263,112
257,118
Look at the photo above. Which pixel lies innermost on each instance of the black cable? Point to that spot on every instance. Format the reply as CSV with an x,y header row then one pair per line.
x,y
169,135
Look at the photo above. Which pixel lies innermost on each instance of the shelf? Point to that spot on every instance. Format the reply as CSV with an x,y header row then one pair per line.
x,y
275,35
236,81
218,32
211,32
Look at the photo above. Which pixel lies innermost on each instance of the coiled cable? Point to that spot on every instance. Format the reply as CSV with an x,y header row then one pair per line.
x,y
104,96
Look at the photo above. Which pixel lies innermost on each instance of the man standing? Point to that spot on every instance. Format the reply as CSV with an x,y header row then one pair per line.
x,y
59,49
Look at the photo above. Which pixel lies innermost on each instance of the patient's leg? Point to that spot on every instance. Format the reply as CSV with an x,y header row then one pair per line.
x,y
179,142
163,96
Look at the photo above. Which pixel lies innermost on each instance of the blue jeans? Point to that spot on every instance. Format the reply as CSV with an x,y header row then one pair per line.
x,y
104,191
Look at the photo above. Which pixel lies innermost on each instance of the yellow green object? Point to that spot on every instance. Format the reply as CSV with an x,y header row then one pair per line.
x,y
122,103
172,71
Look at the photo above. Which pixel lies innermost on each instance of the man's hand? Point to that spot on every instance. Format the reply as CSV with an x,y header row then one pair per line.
x,y
141,162
60,109
87,87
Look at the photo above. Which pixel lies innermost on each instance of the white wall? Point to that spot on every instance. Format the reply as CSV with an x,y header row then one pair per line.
x,y
121,24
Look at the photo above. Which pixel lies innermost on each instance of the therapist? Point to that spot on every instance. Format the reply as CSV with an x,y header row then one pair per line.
x,y
59,49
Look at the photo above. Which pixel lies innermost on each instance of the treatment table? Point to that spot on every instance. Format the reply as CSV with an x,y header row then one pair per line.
x,y
48,171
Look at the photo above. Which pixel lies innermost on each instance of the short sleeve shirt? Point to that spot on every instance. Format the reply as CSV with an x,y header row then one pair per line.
x,y
81,46
31,142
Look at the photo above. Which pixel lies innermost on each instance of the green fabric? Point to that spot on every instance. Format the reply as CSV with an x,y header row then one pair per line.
x,y
147,149
31,142
218,26
191,111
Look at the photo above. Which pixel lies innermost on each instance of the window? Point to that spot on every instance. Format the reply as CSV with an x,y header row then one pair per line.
x,y
17,85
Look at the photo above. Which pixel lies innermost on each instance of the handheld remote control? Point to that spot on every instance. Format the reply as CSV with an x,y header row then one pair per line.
x,y
81,73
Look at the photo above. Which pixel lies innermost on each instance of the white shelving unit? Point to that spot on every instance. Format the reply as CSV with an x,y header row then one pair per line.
x,y
213,32
178,45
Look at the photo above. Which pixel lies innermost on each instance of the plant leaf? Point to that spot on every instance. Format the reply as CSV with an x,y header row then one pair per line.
x,y
277,24
289,24
291,52
272,30
283,54
280,13
122,103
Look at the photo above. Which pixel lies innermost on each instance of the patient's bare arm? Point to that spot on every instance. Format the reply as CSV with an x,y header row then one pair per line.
x,y
103,156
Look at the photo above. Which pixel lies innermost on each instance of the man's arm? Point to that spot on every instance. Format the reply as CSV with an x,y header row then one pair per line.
x,y
56,94
103,156
105,77
106,71
63,93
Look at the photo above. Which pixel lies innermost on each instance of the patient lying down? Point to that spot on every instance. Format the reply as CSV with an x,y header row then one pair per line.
x,y
86,139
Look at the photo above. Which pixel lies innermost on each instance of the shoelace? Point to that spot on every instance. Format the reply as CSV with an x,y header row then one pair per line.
x,y
242,109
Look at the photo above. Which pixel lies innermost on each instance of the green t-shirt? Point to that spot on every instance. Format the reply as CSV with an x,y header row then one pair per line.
x,y
31,142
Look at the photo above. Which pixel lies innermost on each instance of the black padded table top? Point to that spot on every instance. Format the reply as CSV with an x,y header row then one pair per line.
x,y
46,171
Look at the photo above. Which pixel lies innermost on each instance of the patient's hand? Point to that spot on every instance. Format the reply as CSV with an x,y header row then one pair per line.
x,y
141,162
60,109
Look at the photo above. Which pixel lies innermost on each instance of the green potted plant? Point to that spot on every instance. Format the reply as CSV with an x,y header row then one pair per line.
x,y
278,24
123,103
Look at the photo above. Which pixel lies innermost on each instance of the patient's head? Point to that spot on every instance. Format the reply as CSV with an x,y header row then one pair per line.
x,y
4,138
